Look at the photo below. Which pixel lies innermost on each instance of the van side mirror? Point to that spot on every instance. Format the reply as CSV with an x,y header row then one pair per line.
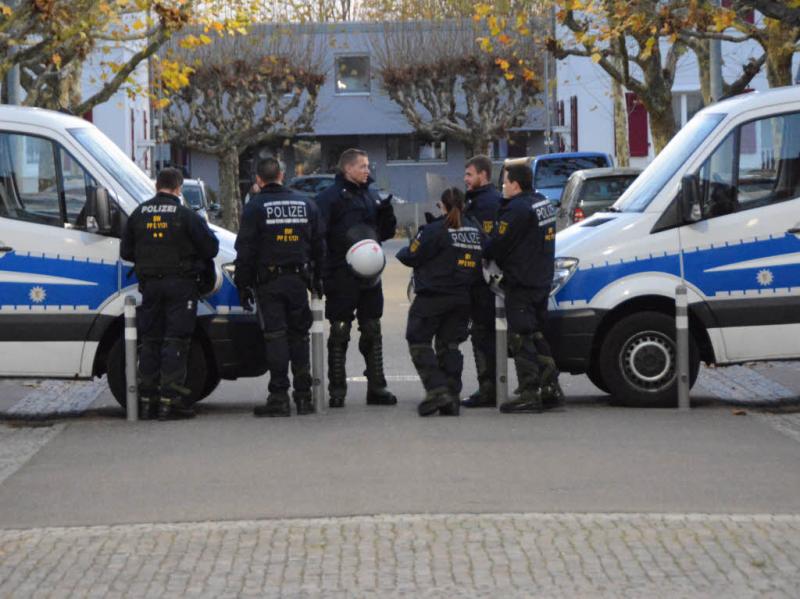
x,y
98,211
689,208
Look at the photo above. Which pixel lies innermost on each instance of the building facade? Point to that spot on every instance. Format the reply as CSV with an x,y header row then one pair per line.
x,y
354,110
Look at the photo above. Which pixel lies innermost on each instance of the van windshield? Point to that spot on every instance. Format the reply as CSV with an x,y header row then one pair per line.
x,y
116,163
639,195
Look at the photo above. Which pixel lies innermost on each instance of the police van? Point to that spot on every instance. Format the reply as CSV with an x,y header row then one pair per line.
x,y
66,191
719,208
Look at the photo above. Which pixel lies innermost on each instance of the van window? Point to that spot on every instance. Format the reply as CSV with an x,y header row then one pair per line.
x,y
769,165
77,184
29,179
756,165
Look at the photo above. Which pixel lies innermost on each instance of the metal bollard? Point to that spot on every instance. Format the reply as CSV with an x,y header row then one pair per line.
x,y
682,339
318,354
501,341
131,385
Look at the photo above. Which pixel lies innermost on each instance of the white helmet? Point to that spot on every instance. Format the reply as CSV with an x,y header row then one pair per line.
x,y
366,259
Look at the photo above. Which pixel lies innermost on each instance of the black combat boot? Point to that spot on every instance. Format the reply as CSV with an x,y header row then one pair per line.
x,y
277,406
173,408
529,399
435,399
553,397
148,408
486,395
304,403
453,408
528,402
370,344
337,355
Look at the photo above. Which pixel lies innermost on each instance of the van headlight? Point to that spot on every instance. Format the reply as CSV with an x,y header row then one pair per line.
x,y
229,269
564,269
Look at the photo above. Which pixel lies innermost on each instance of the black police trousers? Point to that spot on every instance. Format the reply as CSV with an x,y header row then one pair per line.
x,y
482,333
346,296
526,313
165,323
444,321
286,320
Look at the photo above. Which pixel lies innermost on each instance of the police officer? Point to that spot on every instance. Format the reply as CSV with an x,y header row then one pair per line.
x,y
523,246
352,211
279,252
170,245
483,200
446,258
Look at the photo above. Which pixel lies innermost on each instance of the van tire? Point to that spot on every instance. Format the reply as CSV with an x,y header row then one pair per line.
x,y
212,382
196,372
638,361
595,375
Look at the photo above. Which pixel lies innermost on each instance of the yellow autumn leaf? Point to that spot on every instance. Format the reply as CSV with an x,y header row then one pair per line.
x,y
481,10
502,63
6,10
509,76
205,39
648,47
596,57
56,58
138,25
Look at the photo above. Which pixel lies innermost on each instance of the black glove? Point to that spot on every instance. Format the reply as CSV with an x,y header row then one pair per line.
x,y
316,286
247,298
429,218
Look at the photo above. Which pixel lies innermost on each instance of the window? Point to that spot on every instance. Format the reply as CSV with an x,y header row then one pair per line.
x,y
736,178
352,74
514,146
77,186
685,106
637,127
407,148
554,172
28,179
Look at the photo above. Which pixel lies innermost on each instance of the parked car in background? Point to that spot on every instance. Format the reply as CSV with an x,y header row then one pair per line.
x,y
194,192
551,171
312,184
592,190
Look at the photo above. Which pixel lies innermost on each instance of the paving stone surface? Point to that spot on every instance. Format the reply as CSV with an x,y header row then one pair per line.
x,y
505,555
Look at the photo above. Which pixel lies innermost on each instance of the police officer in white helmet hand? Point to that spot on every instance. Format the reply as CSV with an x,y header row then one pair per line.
x,y
356,220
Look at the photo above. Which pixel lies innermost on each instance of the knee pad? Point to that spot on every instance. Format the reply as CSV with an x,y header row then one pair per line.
x,y
340,332
369,329
274,335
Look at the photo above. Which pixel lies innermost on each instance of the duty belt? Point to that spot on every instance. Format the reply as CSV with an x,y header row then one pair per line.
x,y
285,269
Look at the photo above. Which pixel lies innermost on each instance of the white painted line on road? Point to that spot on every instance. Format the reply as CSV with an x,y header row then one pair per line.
x,y
20,444
54,398
788,424
739,384
392,378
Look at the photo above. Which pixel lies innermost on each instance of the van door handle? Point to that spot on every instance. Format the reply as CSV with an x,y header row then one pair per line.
x,y
795,231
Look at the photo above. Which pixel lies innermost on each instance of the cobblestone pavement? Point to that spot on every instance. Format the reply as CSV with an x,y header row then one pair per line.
x,y
561,555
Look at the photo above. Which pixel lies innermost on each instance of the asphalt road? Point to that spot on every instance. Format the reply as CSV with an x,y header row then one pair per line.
x,y
362,460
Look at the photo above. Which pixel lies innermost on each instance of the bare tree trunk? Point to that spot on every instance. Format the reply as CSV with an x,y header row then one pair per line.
x,y
622,147
779,62
229,188
662,125
703,53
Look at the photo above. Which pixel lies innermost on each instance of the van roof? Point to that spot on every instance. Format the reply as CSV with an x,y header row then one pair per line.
x,y
40,116
756,99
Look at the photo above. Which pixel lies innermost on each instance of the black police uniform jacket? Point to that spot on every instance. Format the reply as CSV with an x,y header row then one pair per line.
x,y
350,213
165,238
523,241
278,228
446,262
482,205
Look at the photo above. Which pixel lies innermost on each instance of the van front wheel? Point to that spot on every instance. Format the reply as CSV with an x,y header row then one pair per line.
x,y
195,379
638,361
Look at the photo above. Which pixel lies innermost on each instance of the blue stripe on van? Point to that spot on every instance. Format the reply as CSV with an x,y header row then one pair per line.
x,y
586,283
